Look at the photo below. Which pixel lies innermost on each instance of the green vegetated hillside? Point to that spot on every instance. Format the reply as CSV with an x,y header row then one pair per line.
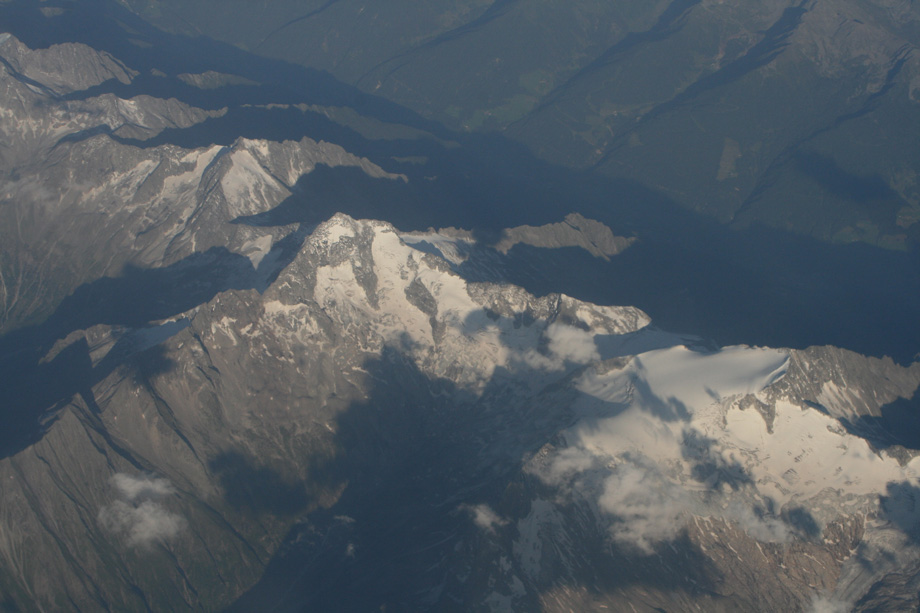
x,y
797,114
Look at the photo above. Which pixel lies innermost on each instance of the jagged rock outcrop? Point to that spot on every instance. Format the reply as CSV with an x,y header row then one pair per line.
x,y
41,69
575,231
846,384
367,365
213,80
230,411
249,388
161,203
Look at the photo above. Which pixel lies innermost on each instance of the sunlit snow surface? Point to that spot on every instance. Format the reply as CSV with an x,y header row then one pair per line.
x,y
657,432
663,430
675,433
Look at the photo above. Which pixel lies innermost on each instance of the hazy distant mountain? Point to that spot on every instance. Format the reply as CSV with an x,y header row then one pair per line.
x,y
273,344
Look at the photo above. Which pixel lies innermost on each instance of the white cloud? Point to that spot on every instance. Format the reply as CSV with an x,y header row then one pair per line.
x,y
647,506
485,517
565,466
822,604
534,360
652,442
142,486
572,344
763,529
646,503
143,524
139,516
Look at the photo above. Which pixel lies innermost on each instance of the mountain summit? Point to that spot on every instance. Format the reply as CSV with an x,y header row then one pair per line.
x,y
254,358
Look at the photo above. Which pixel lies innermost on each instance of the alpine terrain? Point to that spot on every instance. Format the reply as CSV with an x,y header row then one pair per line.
x,y
276,339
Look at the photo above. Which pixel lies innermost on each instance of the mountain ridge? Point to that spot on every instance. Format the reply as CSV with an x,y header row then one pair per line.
x,y
234,393
353,286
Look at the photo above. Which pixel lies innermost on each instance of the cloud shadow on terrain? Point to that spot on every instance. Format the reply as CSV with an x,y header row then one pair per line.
x,y
756,286
844,184
418,449
248,486
900,506
709,467
416,454
898,424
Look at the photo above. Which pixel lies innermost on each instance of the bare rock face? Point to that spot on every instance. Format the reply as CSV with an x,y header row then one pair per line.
x,y
213,411
142,117
39,119
213,80
163,204
65,171
575,231
52,70
269,421
785,519
851,386
250,393
872,397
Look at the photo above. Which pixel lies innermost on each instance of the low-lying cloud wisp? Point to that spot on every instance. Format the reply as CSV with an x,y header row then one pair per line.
x,y
139,515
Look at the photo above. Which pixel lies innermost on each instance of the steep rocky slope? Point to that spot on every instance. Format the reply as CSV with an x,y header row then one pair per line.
x,y
236,416
218,406
369,378
66,168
